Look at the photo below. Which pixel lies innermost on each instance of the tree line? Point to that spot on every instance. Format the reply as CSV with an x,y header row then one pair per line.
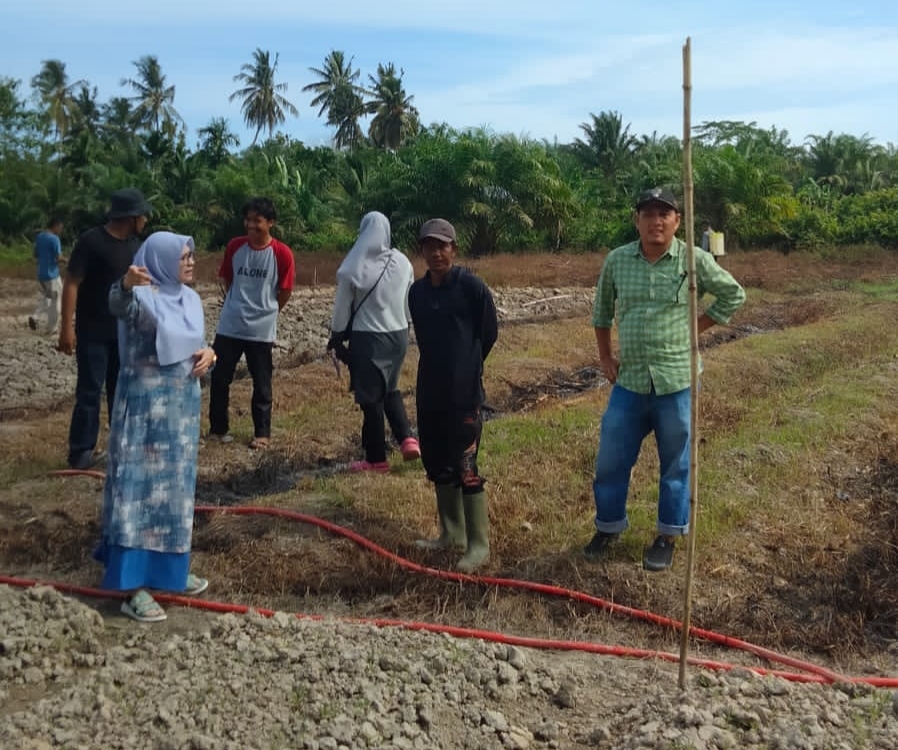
x,y
63,151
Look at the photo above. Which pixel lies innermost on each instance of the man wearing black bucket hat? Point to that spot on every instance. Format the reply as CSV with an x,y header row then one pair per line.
x,y
100,257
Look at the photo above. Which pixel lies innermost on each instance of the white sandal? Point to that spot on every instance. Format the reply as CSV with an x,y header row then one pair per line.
x,y
143,608
195,585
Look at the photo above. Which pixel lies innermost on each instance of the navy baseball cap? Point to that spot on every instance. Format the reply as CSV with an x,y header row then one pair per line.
x,y
658,195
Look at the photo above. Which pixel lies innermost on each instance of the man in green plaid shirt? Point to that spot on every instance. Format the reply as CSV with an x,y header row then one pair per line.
x,y
643,285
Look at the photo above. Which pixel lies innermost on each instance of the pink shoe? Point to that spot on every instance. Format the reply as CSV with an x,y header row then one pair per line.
x,y
381,467
410,449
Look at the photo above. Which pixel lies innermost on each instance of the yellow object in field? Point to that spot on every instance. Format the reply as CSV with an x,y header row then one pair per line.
x,y
717,247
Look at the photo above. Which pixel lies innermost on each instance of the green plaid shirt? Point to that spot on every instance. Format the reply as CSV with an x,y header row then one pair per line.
x,y
652,310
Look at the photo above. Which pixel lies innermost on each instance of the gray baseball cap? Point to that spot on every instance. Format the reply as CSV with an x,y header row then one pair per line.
x,y
437,228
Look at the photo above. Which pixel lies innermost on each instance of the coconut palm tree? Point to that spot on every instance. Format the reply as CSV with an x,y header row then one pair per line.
x,y
263,103
56,92
13,113
338,95
336,73
395,117
81,144
217,139
347,109
86,113
118,114
154,108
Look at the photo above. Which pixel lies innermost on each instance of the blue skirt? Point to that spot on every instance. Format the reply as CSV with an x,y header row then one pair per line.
x,y
128,568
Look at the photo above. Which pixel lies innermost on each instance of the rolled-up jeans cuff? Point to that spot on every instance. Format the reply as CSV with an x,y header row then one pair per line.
x,y
667,530
614,527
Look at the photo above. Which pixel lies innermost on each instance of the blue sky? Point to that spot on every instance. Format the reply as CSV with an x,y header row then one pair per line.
x,y
527,67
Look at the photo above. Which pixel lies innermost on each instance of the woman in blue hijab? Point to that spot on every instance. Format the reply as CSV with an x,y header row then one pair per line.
x,y
154,436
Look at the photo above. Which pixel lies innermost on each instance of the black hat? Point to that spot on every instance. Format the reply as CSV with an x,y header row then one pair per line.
x,y
438,228
126,203
658,195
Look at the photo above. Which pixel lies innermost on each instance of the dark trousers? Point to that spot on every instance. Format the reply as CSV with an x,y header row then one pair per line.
x,y
450,441
259,362
373,435
98,364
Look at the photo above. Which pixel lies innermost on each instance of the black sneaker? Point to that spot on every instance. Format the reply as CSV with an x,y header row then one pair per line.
x,y
659,556
599,544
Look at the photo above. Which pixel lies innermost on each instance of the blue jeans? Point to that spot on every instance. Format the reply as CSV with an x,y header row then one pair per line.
x,y
98,364
628,419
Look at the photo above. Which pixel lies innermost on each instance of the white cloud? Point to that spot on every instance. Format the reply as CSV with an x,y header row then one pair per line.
x,y
819,59
743,76
556,62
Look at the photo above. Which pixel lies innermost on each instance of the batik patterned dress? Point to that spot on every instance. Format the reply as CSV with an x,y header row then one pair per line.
x,y
151,472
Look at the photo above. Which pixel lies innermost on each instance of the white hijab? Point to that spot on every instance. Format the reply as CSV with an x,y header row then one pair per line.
x,y
369,255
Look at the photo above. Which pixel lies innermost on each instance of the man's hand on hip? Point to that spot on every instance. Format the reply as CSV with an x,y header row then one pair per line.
x,y
609,367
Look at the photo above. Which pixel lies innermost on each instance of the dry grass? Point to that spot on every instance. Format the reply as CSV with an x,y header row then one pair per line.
x,y
798,533
767,270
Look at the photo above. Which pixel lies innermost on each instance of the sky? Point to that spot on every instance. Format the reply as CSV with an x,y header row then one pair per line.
x,y
528,67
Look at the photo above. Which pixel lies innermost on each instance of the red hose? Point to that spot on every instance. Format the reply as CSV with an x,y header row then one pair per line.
x,y
815,672
96,474
541,588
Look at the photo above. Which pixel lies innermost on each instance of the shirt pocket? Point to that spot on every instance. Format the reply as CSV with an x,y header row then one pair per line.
x,y
674,288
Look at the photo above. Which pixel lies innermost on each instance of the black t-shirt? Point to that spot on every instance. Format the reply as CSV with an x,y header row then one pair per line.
x,y
456,327
98,259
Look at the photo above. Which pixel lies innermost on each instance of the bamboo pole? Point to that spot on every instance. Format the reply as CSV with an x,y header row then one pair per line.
x,y
693,338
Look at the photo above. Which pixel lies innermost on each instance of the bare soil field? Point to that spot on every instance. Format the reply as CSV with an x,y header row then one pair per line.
x,y
762,589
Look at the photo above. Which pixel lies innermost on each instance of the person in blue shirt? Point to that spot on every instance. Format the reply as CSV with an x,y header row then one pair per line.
x,y
48,253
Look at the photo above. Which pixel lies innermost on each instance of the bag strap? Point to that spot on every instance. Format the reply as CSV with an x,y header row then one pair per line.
x,y
352,309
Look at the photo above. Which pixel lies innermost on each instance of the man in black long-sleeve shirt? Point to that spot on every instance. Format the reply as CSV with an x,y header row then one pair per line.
x,y
455,326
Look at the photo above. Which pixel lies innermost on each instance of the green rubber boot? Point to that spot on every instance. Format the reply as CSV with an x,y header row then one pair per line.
x,y
452,520
477,525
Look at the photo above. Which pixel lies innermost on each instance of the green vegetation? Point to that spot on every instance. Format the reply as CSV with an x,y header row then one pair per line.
x,y
64,151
